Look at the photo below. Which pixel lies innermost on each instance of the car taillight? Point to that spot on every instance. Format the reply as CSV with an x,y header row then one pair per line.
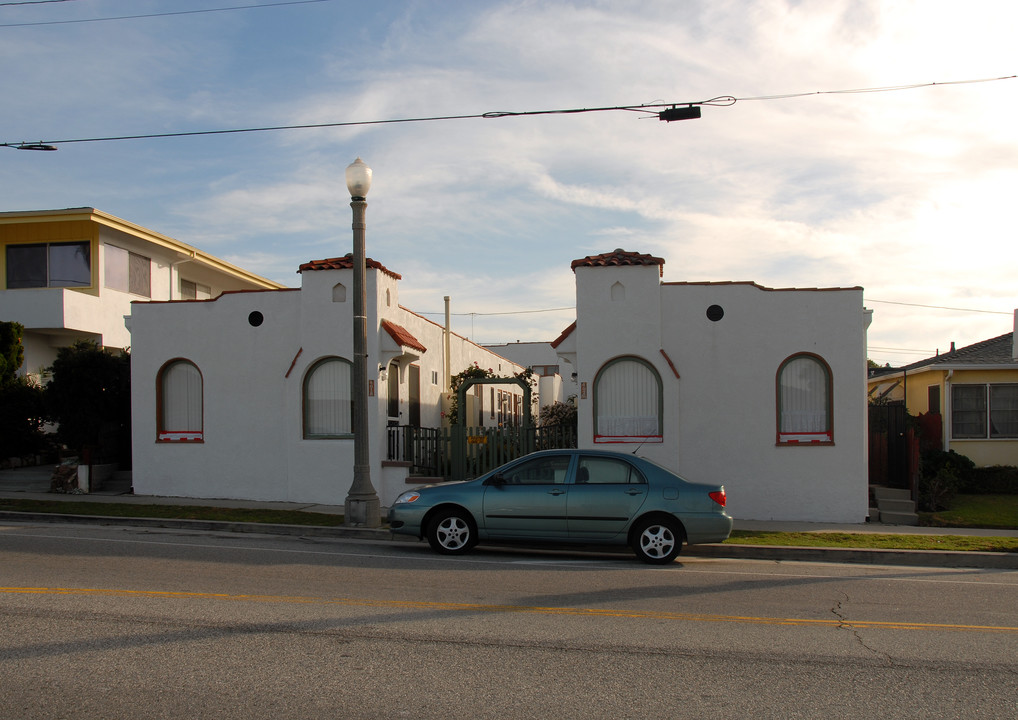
x,y
719,497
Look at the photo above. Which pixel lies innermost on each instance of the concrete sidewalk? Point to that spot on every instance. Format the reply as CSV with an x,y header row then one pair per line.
x,y
34,483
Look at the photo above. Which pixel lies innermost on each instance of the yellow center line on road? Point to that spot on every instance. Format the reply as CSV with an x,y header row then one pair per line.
x,y
537,610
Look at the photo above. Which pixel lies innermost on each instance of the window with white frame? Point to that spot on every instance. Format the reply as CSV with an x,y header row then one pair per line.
x,y
328,399
40,265
127,271
627,402
180,403
804,400
981,411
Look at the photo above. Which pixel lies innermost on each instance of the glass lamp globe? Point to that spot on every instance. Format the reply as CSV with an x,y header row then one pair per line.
x,y
358,179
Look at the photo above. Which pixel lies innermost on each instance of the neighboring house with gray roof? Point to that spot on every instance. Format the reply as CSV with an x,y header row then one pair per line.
x,y
975,391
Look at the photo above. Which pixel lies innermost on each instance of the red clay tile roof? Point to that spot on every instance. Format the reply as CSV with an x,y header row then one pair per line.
x,y
617,258
402,336
346,263
565,333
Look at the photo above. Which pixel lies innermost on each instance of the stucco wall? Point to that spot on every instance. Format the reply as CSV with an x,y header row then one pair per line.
x,y
253,378
720,414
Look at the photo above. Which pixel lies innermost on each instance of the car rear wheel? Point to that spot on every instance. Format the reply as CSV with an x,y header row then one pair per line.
x,y
451,532
657,540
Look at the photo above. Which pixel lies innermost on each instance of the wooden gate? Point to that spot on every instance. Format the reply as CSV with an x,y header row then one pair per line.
x,y
893,447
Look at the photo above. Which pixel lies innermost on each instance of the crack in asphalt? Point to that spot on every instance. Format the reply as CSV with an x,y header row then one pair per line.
x,y
845,624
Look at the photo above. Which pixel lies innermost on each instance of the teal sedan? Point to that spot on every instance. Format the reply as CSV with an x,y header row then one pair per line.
x,y
588,497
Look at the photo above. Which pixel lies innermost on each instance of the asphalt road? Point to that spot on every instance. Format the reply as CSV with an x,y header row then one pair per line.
x,y
127,622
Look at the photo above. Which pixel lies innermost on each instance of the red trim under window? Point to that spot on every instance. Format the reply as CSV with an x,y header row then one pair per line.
x,y
628,438
182,436
805,438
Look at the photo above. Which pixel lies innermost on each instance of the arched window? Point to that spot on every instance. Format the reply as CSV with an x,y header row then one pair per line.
x,y
328,400
179,403
627,402
804,400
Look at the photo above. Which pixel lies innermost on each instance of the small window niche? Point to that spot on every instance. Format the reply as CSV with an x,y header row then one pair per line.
x,y
618,291
339,293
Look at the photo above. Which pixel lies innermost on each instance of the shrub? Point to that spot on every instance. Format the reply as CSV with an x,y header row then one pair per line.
x,y
558,413
941,475
937,491
993,480
22,413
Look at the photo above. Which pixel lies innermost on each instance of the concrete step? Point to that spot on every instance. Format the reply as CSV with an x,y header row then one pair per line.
x,y
905,506
886,493
899,518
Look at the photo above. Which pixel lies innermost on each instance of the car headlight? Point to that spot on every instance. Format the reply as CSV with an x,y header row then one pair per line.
x,y
408,497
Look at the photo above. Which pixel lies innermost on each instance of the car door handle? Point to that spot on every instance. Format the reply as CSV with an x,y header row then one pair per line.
x,y
634,491
556,491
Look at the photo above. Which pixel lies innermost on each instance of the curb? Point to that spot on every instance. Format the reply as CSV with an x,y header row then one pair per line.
x,y
915,558
206,525
868,556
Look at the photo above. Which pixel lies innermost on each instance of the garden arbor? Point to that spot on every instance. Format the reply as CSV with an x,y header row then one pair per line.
x,y
489,447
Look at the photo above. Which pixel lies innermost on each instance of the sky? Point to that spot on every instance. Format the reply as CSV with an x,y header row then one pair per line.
x,y
908,193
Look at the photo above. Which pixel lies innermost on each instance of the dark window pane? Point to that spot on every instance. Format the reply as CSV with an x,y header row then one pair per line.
x,y
1004,411
540,471
26,266
968,411
70,265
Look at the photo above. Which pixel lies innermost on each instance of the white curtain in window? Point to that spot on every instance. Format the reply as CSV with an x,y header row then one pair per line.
x,y
804,396
182,398
328,399
628,400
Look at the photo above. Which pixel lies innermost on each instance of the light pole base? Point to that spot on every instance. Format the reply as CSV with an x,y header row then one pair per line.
x,y
362,512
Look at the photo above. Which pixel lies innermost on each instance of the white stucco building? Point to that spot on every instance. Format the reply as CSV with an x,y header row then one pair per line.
x,y
248,395
761,389
72,274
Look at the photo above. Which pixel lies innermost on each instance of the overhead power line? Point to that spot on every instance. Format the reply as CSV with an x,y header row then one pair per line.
x,y
508,312
573,307
938,307
33,2
149,15
663,110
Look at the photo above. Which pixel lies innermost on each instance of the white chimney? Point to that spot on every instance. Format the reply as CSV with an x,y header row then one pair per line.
x,y
1014,338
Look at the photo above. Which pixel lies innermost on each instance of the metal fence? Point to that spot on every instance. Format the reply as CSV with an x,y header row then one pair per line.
x,y
431,453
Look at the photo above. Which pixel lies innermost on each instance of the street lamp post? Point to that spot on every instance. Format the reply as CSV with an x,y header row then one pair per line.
x,y
362,506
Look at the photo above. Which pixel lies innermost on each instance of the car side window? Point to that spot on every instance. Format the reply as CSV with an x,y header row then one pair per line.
x,y
607,471
539,471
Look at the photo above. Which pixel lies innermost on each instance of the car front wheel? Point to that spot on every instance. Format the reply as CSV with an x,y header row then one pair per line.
x,y
657,540
451,532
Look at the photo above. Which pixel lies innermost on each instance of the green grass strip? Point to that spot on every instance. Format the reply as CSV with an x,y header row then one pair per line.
x,y
877,541
984,511
182,512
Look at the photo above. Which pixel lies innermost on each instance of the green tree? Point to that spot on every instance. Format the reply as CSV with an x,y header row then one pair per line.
x,y
89,397
12,352
22,411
